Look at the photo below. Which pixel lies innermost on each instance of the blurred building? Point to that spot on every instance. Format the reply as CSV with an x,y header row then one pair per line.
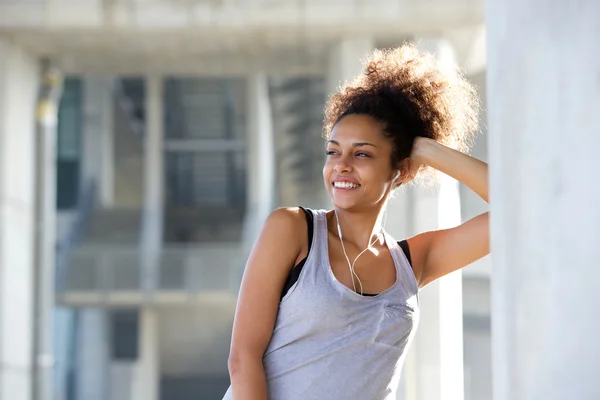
x,y
182,124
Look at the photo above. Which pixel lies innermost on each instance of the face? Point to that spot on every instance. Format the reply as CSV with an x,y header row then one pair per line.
x,y
358,172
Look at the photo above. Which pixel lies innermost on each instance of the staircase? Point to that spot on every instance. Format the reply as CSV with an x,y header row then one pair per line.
x,y
120,225
107,248
204,203
205,176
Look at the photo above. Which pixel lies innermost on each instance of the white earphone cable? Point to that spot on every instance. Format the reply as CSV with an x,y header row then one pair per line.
x,y
353,273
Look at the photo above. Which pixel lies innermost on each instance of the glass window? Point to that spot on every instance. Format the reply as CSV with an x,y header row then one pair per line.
x,y
125,334
68,146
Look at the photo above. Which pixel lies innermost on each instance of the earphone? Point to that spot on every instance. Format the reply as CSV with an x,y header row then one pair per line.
x,y
351,265
353,274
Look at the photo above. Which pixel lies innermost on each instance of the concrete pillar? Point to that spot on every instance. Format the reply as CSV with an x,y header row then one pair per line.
x,y
345,60
260,159
18,92
98,137
153,209
107,174
436,359
148,384
93,355
124,380
63,338
91,130
543,99
45,228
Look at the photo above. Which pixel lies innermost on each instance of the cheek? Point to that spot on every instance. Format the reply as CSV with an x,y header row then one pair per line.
x,y
327,167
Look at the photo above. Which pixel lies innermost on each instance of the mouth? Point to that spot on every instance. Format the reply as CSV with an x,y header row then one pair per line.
x,y
345,185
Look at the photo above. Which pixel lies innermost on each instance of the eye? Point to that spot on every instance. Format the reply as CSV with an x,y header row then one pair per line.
x,y
363,155
330,152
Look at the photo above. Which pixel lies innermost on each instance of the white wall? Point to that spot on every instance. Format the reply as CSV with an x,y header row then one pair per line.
x,y
544,99
18,89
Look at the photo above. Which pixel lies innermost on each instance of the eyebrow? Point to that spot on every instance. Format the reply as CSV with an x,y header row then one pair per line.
x,y
357,144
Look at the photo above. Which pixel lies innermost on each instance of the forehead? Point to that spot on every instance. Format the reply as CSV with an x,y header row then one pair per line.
x,y
358,128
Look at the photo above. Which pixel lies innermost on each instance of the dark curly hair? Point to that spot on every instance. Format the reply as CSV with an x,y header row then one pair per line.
x,y
408,91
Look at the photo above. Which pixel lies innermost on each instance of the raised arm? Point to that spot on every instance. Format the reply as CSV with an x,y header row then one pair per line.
x,y
438,253
274,254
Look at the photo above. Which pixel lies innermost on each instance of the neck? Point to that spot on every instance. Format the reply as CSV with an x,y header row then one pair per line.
x,y
359,228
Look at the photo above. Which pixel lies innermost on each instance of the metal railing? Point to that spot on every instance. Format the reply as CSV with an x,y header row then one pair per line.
x,y
111,269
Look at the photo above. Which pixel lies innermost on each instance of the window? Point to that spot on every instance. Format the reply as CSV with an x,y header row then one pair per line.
x,y
68,145
125,334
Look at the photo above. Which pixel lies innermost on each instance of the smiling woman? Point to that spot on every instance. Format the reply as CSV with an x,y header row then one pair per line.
x,y
328,294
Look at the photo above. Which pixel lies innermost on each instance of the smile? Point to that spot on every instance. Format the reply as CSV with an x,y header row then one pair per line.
x,y
345,185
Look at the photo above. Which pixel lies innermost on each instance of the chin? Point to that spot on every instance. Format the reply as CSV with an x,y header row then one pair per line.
x,y
344,204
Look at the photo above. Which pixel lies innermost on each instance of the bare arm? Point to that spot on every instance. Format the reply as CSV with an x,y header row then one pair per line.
x,y
438,253
269,264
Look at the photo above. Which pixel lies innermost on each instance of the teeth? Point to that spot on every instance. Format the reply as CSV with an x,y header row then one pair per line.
x,y
345,185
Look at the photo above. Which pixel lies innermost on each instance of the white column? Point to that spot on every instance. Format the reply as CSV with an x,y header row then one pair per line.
x,y
91,128
345,60
153,209
543,100
107,177
93,355
261,157
148,384
18,90
436,360
63,338
98,137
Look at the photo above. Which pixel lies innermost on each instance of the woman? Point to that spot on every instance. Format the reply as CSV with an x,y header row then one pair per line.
x,y
328,302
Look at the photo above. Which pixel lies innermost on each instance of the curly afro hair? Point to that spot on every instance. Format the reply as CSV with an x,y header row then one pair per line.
x,y
408,91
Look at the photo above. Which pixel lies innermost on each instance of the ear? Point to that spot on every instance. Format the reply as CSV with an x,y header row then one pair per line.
x,y
406,168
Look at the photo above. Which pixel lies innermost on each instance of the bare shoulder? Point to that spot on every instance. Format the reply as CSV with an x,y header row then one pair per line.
x,y
278,245
287,217
287,224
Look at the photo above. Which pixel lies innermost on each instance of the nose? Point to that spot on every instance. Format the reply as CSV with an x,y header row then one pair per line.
x,y
342,166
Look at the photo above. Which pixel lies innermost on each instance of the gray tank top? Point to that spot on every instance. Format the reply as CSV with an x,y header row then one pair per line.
x,y
332,343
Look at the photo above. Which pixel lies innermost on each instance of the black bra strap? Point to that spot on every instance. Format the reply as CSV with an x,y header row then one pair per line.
x,y
310,223
295,272
404,246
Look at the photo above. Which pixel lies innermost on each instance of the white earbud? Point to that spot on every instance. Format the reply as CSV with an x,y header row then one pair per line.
x,y
397,175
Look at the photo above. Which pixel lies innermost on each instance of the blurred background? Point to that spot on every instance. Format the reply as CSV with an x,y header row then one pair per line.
x,y
180,125
143,143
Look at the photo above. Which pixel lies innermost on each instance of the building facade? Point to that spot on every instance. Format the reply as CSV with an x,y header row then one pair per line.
x,y
181,125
